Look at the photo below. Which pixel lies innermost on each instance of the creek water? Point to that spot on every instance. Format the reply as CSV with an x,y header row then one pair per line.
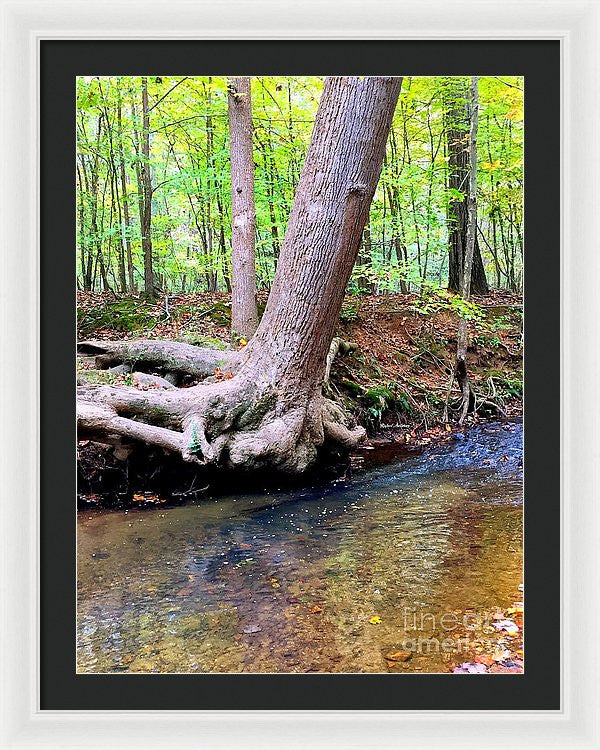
x,y
329,579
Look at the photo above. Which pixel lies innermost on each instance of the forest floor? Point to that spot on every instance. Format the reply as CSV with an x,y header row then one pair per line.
x,y
395,382
397,379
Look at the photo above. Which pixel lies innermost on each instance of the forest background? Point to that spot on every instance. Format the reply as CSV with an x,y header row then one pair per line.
x,y
179,127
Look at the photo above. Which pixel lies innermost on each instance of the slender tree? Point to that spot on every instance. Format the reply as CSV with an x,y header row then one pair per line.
x,y
146,176
462,375
123,177
272,414
244,316
457,134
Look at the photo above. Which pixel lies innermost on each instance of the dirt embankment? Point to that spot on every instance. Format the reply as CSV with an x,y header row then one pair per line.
x,y
399,374
396,381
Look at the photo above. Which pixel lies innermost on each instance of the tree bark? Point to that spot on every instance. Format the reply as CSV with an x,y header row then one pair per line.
x,y
244,315
123,177
462,375
146,175
457,130
272,413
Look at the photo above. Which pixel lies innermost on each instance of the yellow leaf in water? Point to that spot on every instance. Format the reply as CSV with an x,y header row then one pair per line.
x,y
375,620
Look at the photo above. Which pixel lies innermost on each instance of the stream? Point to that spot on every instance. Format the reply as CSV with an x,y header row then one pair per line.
x,y
411,557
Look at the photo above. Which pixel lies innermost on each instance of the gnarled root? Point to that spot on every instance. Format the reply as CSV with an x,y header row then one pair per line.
x,y
239,423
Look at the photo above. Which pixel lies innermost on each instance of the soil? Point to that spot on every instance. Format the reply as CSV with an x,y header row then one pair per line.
x,y
395,382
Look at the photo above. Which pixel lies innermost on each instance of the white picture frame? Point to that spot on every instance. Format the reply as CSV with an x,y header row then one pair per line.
x,y
577,25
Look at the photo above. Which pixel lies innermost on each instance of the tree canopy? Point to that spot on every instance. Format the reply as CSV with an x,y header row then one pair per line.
x,y
405,242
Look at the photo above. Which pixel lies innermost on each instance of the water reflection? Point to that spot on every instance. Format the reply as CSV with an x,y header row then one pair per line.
x,y
296,582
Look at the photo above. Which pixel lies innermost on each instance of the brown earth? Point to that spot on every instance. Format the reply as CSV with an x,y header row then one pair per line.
x,y
398,376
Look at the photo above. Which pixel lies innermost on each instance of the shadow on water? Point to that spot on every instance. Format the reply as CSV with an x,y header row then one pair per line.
x,y
326,579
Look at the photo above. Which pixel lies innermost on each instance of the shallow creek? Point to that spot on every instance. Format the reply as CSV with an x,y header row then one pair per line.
x,y
330,579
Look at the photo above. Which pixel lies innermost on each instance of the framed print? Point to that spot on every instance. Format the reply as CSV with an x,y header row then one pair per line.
x,y
302,297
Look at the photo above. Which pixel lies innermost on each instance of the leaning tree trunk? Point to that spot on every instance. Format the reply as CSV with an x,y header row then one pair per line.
x,y
244,316
457,134
462,375
272,413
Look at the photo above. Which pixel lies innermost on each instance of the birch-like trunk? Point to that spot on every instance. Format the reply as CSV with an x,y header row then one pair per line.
x,y
244,316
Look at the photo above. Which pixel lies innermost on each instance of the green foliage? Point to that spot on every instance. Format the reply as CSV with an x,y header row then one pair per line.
x,y
378,400
195,446
508,387
349,313
435,299
406,247
487,339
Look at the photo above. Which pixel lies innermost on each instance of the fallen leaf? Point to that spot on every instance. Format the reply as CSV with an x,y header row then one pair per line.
x,y
398,656
375,620
500,654
314,609
501,669
251,629
470,667
508,626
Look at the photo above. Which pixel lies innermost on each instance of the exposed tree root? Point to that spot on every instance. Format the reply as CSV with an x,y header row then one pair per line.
x,y
238,423
149,355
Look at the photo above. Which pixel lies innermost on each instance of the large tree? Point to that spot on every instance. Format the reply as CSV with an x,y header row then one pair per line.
x,y
244,317
272,413
456,99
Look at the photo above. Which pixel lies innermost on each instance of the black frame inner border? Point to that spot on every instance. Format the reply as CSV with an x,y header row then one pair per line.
x,y
539,687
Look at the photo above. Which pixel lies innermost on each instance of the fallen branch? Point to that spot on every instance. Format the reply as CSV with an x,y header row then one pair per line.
x,y
160,357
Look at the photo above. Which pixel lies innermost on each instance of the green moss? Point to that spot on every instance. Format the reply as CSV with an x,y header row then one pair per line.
x,y
198,339
353,387
373,403
194,446
125,315
95,377
220,313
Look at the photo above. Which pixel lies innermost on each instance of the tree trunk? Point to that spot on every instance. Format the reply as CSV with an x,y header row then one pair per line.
x,y
123,177
244,316
147,196
466,282
459,164
271,414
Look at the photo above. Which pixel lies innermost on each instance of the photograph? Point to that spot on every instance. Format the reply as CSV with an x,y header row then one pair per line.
x,y
299,374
